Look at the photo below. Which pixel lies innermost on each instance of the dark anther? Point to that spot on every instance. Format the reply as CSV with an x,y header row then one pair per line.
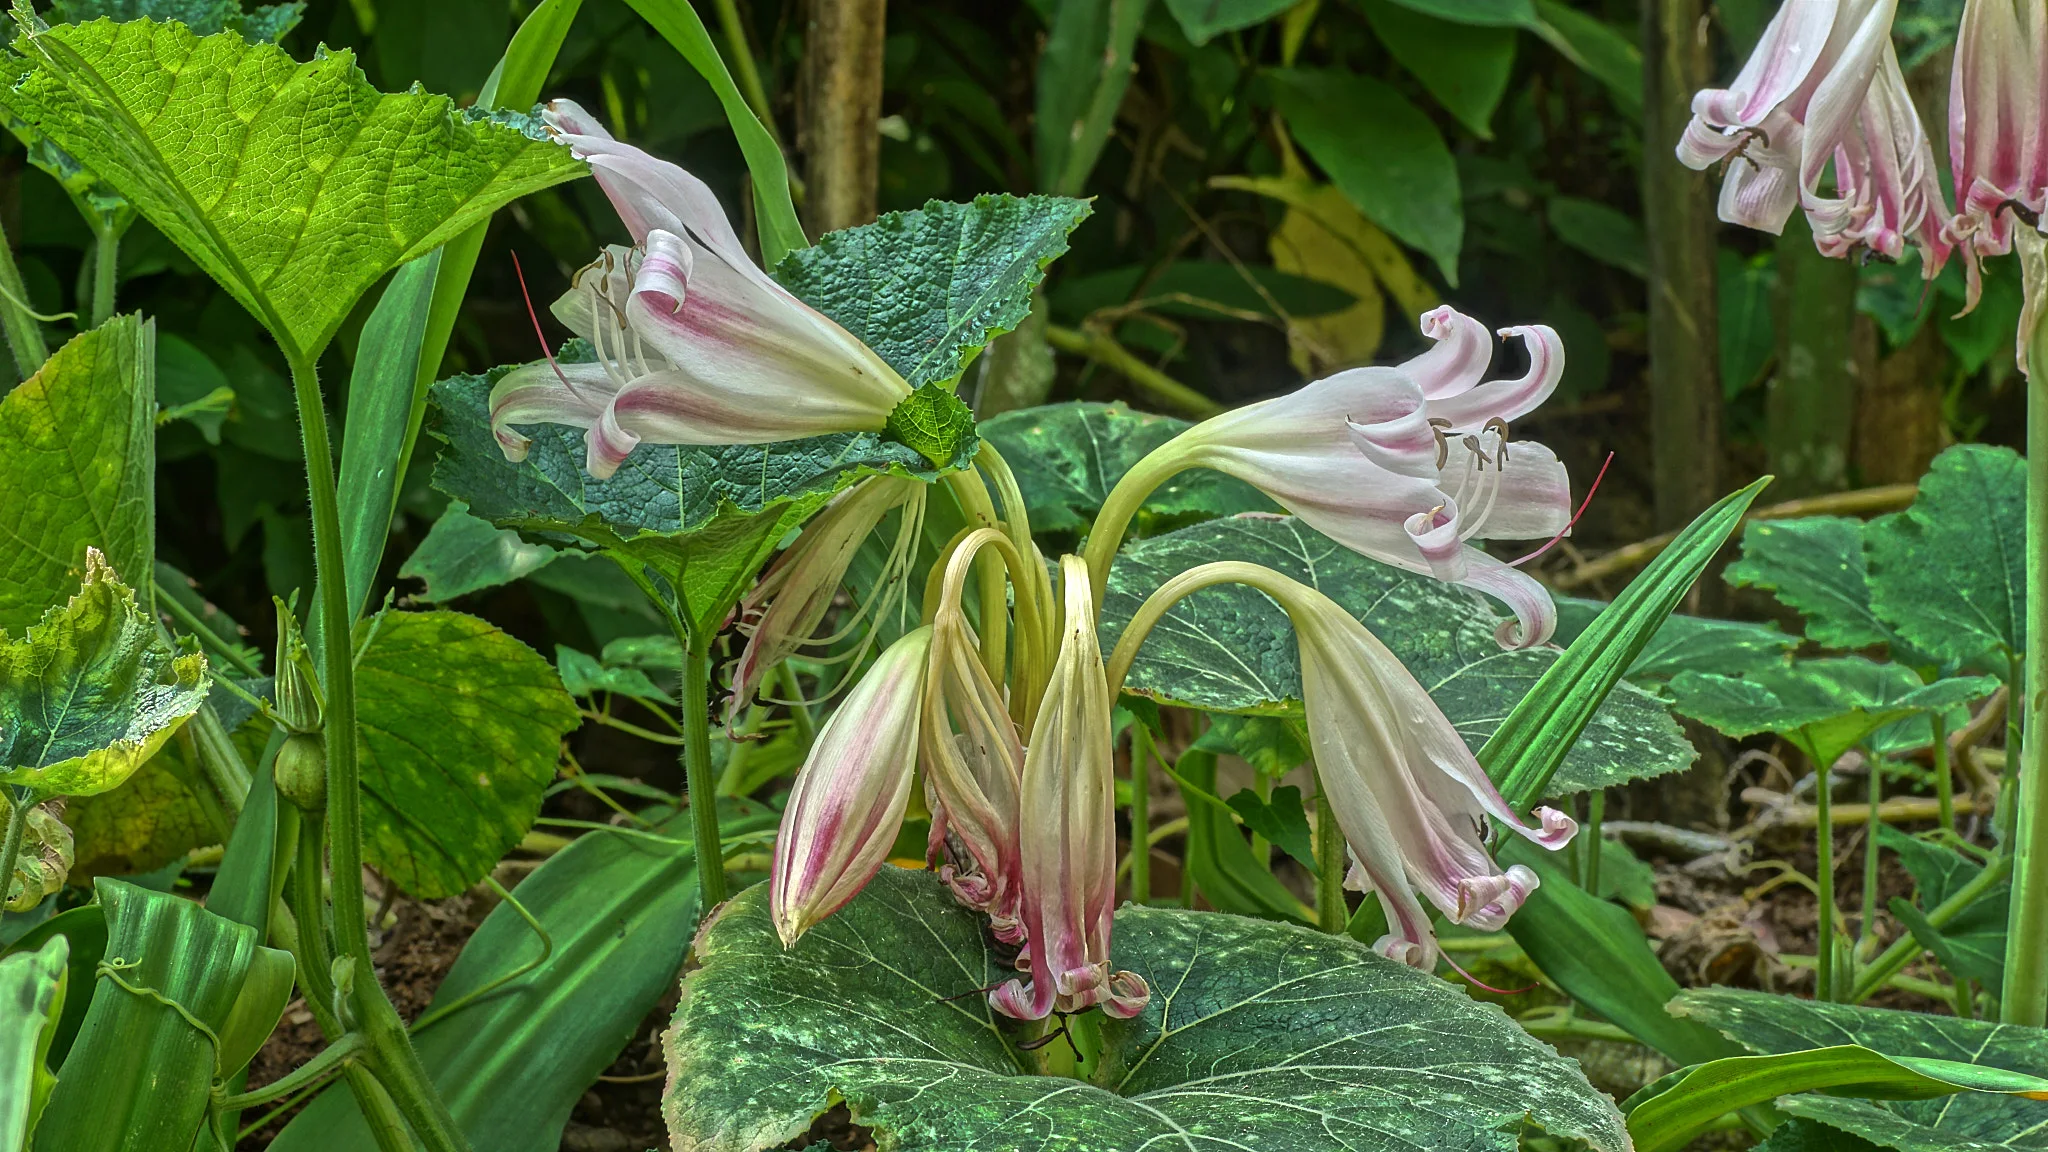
x,y
1437,426
2027,216
1472,444
1745,137
1499,427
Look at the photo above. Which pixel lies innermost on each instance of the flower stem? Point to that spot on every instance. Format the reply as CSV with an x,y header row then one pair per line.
x,y
1113,520
1824,876
389,1050
2024,999
697,779
1944,775
106,252
1141,813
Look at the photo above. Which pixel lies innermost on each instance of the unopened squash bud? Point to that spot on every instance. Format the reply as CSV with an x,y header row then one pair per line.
x,y
300,770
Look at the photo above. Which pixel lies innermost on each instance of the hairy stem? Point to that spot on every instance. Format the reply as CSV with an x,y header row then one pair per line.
x,y
17,318
389,1050
2024,999
106,254
1331,913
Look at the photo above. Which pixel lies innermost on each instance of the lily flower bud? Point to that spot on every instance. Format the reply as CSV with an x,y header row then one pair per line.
x,y
848,801
782,612
1067,833
1413,802
695,343
974,766
1998,130
1408,465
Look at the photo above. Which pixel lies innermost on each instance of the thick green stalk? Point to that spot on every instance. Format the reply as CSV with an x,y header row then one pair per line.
x,y
24,333
1121,506
1944,775
106,254
1866,937
10,845
1596,813
697,771
1331,913
390,1050
1141,813
1824,876
2025,996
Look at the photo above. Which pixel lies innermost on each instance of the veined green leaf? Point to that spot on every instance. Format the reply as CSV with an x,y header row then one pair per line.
x,y
1465,68
463,554
1531,745
91,691
1685,644
461,728
139,1075
583,676
1219,860
1204,20
1389,1057
1825,706
1232,649
1950,572
774,211
78,467
1668,1114
1815,566
266,23
1796,1135
1976,1120
928,289
31,1003
312,185
1605,54
1972,943
620,909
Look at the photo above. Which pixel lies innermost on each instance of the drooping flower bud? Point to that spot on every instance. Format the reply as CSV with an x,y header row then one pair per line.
x,y
1998,132
847,804
695,343
1067,833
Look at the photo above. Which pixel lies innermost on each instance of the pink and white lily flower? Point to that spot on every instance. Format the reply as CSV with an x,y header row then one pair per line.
x,y
847,804
1823,85
1410,797
1067,834
1409,465
695,343
1998,129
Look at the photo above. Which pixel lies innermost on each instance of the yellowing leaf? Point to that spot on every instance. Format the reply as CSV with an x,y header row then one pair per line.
x,y
1325,206
1319,344
91,692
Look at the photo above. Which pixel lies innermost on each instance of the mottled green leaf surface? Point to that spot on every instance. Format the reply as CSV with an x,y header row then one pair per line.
x,y
31,999
1685,644
927,289
1386,1057
266,22
511,1066
1972,943
460,732
1797,1135
91,691
1068,456
294,185
583,675
78,468
1230,649
1974,1121
1949,573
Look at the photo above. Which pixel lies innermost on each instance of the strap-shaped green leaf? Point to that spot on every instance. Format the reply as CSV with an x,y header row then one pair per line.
x,y
1529,746
294,185
1670,1112
31,1003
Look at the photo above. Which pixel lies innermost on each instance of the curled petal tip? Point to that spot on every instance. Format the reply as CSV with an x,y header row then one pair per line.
x,y
1128,995
1401,950
1557,828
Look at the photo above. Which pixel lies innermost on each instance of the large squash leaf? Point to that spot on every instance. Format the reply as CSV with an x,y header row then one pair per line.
x,y
1950,572
878,1007
92,691
294,185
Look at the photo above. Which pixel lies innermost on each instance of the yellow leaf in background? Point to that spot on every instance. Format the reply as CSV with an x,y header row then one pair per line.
x,y
1324,236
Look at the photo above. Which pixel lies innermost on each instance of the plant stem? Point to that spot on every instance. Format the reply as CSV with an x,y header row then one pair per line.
x,y
219,759
24,332
106,253
1155,385
799,712
1141,813
1824,876
18,805
1905,949
389,1050
2024,999
318,1068
1331,913
1866,936
697,780
1596,812
1944,775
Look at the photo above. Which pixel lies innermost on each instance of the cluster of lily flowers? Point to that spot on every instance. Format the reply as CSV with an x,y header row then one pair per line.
x,y
1824,84
1006,719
